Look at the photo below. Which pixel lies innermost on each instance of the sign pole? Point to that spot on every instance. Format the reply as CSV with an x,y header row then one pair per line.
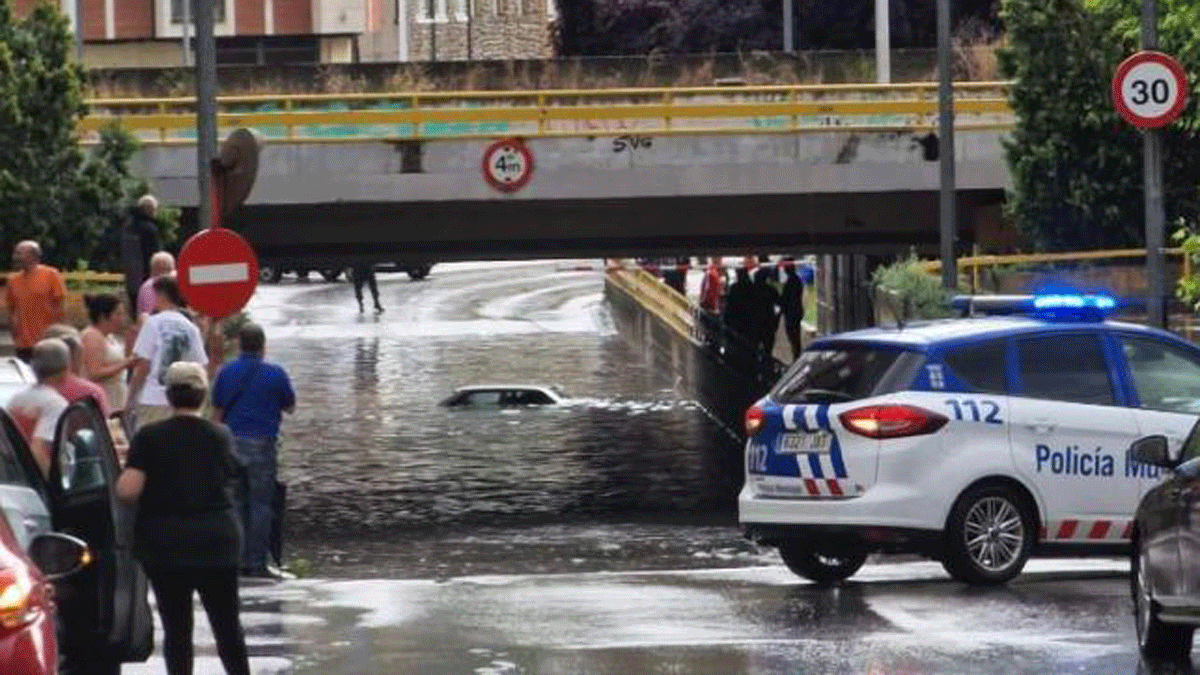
x,y
883,42
949,228
1155,207
206,109
789,26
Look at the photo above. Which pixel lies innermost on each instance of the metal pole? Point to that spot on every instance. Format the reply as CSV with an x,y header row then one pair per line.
x,y
789,27
949,221
1155,207
883,41
401,31
470,16
79,31
206,106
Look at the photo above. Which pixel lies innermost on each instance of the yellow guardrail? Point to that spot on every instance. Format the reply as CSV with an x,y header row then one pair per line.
x,y
675,310
565,112
976,263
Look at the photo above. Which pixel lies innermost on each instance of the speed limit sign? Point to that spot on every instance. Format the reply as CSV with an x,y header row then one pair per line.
x,y
1150,90
508,165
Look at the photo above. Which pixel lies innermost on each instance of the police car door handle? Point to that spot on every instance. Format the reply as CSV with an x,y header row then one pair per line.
x,y
1041,426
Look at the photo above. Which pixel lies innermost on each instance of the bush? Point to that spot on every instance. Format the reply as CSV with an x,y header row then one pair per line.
x,y
914,293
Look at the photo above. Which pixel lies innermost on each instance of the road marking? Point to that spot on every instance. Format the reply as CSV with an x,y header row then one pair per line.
x,y
224,273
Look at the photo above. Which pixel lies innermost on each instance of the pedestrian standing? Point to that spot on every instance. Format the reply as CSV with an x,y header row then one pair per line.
x,y
712,288
675,274
74,386
365,274
139,241
182,474
792,301
250,396
37,409
34,295
167,337
738,306
765,312
104,359
162,264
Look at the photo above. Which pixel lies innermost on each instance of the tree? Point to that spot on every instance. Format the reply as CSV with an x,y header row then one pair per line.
x,y
50,189
1076,165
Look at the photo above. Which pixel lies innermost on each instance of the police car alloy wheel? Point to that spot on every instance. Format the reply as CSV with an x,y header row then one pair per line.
x,y
822,568
989,535
1155,638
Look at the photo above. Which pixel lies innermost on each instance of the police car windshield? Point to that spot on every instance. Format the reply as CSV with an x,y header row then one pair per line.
x,y
846,372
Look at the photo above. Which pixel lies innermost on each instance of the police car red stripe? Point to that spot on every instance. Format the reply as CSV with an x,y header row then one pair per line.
x,y
1088,530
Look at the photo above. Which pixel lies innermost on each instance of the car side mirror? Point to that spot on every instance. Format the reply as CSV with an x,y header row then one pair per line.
x,y
1152,450
59,555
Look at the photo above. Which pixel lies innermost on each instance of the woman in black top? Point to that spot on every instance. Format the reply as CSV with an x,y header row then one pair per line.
x,y
188,535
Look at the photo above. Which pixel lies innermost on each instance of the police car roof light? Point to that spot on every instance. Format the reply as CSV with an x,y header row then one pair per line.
x,y
1060,306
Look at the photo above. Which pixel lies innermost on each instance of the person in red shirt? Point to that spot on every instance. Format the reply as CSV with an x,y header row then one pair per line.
x,y
712,288
34,295
74,386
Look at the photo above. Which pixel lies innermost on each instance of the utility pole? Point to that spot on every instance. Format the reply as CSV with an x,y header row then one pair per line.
x,y
949,219
185,44
79,31
1155,207
470,24
789,26
883,41
206,107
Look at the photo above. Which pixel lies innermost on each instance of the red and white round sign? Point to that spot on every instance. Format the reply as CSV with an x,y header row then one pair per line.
x,y
1150,90
508,165
218,272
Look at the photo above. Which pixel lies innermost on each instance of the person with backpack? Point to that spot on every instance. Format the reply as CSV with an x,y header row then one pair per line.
x,y
250,396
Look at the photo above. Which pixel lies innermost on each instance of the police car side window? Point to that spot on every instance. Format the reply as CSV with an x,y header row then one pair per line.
x,y
1167,376
981,366
1068,367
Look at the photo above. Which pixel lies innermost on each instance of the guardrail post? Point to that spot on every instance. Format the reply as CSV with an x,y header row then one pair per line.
x,y
669,101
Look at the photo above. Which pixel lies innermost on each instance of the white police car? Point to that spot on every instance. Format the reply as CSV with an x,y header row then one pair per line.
x,y
977,442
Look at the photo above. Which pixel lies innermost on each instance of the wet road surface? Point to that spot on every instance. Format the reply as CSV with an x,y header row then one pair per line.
x,y
893,618
384,482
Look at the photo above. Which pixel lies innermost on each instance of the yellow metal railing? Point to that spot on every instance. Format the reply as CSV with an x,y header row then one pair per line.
x,y
977,263
673,309
566,112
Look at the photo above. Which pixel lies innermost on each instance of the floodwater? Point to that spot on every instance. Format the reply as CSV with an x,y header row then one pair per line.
x,y
371,456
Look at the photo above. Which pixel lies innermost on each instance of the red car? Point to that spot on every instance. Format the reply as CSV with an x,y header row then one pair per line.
x,y
28,644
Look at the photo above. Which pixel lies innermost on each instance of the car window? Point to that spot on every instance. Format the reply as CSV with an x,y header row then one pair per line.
x,y
1069,367
12,470
1167,376
981,366
845,373
80,453
1191,447
481,398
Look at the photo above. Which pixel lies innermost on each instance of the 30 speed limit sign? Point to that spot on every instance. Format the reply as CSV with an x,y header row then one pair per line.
x,y
1150,90
508,165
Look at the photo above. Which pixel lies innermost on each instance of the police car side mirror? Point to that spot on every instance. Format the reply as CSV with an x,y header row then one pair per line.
x,y
1153,450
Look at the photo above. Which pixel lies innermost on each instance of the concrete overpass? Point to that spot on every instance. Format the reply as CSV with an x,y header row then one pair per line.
x,y
713,169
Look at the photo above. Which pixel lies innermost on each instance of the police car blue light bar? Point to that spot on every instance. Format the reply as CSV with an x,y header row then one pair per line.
x,y
1064,306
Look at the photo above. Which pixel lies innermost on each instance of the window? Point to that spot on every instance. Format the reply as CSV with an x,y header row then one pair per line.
x,y
1167,376
81,453
1191,447
431,10
981,366
177,10
1068,367
12,470
846,373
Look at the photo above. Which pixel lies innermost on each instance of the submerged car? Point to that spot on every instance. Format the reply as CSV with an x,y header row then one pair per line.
x,y
492,396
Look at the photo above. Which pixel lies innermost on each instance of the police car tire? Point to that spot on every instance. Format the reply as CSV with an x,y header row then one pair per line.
x,y
957,560
1156,639
804,561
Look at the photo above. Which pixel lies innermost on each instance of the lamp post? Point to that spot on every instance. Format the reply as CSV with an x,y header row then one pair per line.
x,y
948,217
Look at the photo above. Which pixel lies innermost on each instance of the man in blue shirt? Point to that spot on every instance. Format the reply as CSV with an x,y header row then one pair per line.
x,y
250,397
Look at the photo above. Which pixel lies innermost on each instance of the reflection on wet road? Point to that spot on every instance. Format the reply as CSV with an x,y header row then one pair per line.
x,y
371,454
894,619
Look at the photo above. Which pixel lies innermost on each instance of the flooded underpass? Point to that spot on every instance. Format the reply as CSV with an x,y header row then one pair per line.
x,y
384,480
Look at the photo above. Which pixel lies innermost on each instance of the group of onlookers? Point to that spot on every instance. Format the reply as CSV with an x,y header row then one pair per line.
x,y
202,470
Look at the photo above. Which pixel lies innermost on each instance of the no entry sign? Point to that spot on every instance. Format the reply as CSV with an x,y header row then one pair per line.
x,y
1150,90
508,165
218,272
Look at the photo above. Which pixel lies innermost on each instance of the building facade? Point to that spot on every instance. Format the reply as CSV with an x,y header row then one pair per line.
x,y
150,33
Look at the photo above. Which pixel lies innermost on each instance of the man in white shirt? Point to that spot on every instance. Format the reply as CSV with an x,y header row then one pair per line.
x,y
167,337
37,409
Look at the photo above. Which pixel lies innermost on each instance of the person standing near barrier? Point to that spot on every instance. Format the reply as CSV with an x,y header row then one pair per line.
x,y
139,242
712,288
765,312
104,359
365,274
167,337
34,295
793,306
738,307
250,397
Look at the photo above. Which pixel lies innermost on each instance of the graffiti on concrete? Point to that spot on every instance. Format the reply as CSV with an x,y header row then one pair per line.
x,y
630,143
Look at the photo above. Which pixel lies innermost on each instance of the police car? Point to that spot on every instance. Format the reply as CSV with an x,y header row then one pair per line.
x,y
976,442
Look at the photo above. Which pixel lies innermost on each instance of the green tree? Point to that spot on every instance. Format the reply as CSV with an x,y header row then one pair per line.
x,y
1076,165
69,200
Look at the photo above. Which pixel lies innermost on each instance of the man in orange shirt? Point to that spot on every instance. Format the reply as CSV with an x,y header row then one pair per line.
x,y
34,295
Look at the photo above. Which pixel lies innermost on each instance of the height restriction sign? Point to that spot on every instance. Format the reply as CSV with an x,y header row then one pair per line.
x,y
1150,90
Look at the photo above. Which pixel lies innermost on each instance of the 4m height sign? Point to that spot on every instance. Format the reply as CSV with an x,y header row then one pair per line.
x,y
1150,90
508,165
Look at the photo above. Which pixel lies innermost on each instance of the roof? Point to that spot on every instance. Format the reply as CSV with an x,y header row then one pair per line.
x,y
926,334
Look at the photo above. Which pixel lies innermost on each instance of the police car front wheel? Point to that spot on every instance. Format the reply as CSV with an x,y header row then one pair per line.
x,y
823,568
989,535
